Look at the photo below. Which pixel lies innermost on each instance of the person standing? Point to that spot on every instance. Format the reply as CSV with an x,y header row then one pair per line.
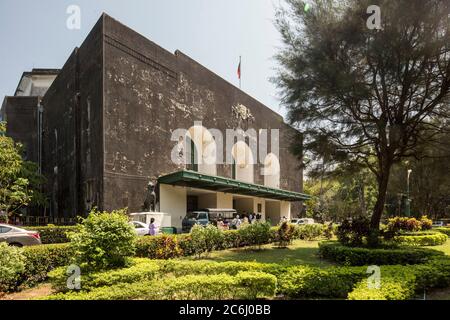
x,y
152,227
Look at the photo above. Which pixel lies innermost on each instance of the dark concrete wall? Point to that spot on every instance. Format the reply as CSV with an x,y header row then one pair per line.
x,y
73,140
21,114
148,93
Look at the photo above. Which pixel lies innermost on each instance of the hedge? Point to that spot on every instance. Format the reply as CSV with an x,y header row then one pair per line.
x,y
311,282
422,239
245,285
402,282
444,230
359,256
53,234
141,270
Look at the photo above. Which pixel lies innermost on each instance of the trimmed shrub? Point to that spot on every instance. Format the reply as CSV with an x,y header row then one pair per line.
x,y
12,264
352,232
141,270
255,234
191,287
39,260
53,234
186,267
444,230
390,289
103,240
359,256
205,239
422,239
309,282
310,231
160,247
398,224
285,234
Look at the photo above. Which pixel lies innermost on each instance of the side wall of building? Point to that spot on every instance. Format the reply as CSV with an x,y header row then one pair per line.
x,y
21,115
73,139
149,92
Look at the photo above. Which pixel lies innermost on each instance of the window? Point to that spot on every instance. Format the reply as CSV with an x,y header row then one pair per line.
x,y
202,216
4,229
259,207
138,225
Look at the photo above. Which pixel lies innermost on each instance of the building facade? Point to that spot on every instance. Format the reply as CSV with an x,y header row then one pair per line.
x,y
124,112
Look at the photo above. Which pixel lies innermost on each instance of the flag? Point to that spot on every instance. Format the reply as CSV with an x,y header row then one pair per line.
x,y
239,69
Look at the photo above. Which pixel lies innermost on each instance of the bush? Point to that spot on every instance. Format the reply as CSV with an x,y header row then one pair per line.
x,y
359,256
186,267
199,287
104,240
256,234
444,230
420,239
285,234
310,231
39,260
390,289
309,282
159,247
53,234
398,224
12,264
352,232
205,239
427,224
141,270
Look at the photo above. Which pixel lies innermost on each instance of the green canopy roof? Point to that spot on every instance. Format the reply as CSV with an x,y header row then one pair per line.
x,y
197,180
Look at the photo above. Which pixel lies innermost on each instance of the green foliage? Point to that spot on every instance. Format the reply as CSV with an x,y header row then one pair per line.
x,y
12,264
53,234
398,224
186,267
285,234
309,282
103,240
359,256
159,247
205,239
311,231
39,260
352,232
257,233
246,285
19,179
140,270
431,239
444,230
398,288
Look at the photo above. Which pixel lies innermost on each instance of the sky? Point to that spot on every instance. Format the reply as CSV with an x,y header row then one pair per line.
x,y
33,34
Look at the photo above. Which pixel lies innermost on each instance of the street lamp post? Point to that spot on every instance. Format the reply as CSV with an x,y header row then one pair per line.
x,y
408,200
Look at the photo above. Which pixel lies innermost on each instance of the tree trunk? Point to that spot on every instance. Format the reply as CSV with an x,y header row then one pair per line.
x,y
381,198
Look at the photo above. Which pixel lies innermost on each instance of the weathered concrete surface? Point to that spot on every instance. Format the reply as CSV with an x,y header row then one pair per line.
x,y
114,106
21,114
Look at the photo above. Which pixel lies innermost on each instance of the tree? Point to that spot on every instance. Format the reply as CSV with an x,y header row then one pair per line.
x,y
362,96
19,179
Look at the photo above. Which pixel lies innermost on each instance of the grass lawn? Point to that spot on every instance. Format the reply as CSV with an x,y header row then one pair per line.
x,y
444,248
299,253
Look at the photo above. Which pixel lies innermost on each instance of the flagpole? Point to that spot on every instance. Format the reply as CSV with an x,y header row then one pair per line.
x,y
240,72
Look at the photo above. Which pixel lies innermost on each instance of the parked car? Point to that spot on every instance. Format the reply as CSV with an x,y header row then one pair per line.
x,y
438,224
205,216
18,237
141,229
302,221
